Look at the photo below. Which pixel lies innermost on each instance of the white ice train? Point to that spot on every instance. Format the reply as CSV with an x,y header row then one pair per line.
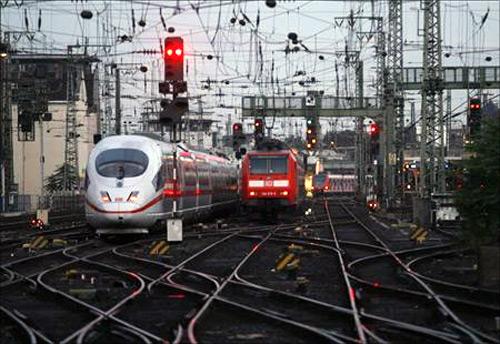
x,y
131,184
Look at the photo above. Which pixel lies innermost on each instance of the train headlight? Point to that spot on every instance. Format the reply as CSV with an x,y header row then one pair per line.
x,y
105,197
284,193
252,193
134,196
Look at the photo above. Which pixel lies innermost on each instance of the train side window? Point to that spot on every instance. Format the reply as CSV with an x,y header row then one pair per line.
x,y
203,174
189,173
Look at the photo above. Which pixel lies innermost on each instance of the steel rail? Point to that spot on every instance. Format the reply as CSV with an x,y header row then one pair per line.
x,y
411,291
53,290
446,283
471,332
28,258
394,323
350,289
196,255
26,328
213,296
447,337
101,314
226,301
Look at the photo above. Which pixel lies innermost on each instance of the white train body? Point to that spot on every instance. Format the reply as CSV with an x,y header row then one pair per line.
x,y
131,184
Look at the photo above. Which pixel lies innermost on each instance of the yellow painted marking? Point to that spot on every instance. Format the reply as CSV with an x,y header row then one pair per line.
x,y
157,246
294,264
284,261
42,244
37,241
415,234
164,250
59,242
421,238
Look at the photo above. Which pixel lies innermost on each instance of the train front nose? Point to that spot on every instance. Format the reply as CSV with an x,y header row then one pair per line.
x,y
123,209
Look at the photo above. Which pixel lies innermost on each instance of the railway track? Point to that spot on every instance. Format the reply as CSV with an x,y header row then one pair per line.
x,y
405,281
229,278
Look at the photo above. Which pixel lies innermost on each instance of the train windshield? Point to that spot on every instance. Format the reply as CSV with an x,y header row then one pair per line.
x,y
121,163
268,165
319,180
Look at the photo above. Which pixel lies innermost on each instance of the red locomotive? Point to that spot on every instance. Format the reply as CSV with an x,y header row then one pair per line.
x,y
322,183
272,178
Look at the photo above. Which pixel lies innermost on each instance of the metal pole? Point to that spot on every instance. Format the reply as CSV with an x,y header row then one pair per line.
x,y
4,194
42,166
118,116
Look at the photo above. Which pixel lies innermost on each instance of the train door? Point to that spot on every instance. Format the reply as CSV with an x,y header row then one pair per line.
x,y
197,192
169,187
204,192
189,182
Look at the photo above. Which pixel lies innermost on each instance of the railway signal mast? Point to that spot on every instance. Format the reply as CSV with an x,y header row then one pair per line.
x,y
312,106
238,139
173,109
374,133
311,133
258,130
474,117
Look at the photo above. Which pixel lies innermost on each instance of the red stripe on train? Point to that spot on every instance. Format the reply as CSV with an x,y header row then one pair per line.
x,y
138,210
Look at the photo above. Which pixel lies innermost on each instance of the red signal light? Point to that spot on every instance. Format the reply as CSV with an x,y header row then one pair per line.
x,y
373,129
174,59
236,127
475,104
259,126
372,205
171,52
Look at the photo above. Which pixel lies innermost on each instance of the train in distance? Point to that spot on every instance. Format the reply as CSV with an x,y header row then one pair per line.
x,y
134,183
272,177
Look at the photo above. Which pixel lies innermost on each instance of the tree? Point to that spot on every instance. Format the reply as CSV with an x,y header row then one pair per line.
x,y
479,199
55,182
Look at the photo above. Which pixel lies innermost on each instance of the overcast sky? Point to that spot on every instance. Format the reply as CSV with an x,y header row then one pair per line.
x,y
234,69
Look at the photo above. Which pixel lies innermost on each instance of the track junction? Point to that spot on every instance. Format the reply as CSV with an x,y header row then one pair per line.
x,y
333,275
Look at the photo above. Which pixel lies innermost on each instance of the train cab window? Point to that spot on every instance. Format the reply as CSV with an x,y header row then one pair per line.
x,y
278,164
258,165
319,180
269,165
121,163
